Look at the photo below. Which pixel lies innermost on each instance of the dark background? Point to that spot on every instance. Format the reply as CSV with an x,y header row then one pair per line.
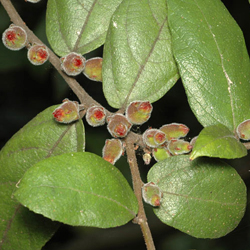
x,y
26,90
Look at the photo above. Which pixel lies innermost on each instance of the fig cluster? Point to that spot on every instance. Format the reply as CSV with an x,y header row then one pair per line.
x,y
166,141
15,38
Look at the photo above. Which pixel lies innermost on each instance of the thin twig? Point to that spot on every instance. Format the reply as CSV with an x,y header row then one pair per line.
x,y
137,185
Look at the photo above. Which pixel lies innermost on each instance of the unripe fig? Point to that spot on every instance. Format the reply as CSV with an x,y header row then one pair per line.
x,y
93,69
96,116
177,147
153,137
174,130
38,54
67,112
72,64
147,158
152,194
160,154
112,150
139,112
243,130
14,38
118,125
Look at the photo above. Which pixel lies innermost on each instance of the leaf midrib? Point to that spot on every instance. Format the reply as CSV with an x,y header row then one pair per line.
x,y
229,81
89,193
143,65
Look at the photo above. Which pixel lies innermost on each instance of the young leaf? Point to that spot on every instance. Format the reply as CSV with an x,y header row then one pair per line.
x,y
138,63
77,25
79,189
218,141
205,198
213,61
41,138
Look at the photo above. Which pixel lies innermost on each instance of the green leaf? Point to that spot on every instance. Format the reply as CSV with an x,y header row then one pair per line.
x,y
138,63
78,25
218,141
205,198
41,138
78,189
213,61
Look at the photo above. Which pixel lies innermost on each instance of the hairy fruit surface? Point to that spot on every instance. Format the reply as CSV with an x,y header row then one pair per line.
x,y
73,64
112,150
96,116
152,194
138,112
93,69
153,137
118,125
178,147
174,130
38,54
14,38
161,153
67,112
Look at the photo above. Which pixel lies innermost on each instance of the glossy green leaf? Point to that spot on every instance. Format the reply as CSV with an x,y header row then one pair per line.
x,y
213,61
78,189
138,63
41,138
218,141
78,25
205,198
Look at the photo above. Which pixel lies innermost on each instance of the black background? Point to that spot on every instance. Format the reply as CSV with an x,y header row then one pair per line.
x,y
26,90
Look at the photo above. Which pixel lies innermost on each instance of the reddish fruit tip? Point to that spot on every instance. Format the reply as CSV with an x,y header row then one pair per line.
x,y
58,114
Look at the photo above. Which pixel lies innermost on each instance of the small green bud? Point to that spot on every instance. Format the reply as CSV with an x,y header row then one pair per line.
x,y
160,154
174,130
14,38
243,130
152,194
67,112
38,54
138,112
93,69
118,125
96,116
72,64
112,150
177,147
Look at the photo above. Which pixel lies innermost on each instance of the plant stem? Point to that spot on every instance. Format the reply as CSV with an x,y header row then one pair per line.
x,y
137,185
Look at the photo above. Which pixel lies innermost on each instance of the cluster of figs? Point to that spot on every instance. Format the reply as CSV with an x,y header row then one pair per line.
x,y
15,38
161,143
